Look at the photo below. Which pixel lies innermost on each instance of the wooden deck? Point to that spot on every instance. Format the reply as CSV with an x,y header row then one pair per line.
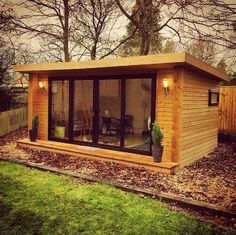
x,y
130,159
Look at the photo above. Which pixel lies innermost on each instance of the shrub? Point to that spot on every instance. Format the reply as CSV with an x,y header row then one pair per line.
x,y
157,135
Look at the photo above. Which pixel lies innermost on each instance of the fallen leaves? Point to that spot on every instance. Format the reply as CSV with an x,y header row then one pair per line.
x,y
211,179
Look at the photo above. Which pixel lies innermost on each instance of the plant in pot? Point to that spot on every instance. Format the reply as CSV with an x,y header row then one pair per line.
x,y
157,147
34,131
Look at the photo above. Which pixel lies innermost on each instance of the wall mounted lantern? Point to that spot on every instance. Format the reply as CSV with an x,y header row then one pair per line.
x,y
166,86
41,87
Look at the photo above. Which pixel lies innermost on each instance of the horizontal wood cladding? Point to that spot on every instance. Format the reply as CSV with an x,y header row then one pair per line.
x,y
187,128
193,152
199,121
227,107
30,101
164,107
192,135
177,114
193,143
168,111
38,104
194,155
164,111
189,125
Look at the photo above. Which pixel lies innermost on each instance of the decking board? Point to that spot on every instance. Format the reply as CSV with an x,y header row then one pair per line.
x,y
130,159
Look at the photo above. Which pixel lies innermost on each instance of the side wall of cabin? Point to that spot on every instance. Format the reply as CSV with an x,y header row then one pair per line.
x,y
190,126
168,111
199,122
38,104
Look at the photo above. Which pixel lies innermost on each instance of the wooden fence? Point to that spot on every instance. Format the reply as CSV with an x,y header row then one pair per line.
x,y
227,109
13,119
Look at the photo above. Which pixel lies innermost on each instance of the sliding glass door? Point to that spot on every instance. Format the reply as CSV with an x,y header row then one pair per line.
x,y
138,113
83,110
110,112
59,121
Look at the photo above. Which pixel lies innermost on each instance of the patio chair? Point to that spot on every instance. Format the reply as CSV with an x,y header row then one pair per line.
x,y
129,128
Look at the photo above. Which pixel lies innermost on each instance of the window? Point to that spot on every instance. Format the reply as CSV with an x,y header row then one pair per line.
x,y
109,111
59,126
213,99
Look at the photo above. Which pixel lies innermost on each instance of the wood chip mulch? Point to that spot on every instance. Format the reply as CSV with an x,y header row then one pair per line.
x,y
211,179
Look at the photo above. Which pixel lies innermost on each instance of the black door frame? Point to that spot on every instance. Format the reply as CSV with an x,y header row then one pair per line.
x,y
96,79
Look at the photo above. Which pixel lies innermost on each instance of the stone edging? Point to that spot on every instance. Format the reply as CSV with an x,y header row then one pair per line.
x,y
165,197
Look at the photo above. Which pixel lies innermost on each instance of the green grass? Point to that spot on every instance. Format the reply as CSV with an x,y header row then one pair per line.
x,y
35,202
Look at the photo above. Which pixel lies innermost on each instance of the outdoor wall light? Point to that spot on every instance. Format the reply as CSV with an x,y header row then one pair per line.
x,y
166,86
41,87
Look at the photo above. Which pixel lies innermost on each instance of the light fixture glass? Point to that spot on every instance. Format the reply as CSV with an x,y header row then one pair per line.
x,y
41,84
166,86
165,83
41,87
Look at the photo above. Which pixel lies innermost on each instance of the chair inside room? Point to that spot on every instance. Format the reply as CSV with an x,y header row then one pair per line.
x,y
129,128
83,124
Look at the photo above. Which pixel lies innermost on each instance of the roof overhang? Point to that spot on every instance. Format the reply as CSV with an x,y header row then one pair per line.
x,y
144,64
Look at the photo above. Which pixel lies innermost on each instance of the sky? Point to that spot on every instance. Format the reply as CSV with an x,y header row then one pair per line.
x,y
229,55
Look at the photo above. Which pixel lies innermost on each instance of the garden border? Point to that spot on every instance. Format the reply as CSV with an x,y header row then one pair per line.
x,y
165,197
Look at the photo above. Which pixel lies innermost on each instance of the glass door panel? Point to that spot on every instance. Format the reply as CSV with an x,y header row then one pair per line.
x,y
83,110
137,114
59,126
96,115
109,112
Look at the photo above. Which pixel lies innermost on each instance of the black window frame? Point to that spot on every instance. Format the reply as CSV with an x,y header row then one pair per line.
x,y
210,92
96,79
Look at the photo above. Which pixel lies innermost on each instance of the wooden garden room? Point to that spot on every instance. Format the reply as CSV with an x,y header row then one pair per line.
x,y
104,109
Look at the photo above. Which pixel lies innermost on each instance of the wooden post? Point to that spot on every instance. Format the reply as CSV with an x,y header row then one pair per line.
x,y
177,115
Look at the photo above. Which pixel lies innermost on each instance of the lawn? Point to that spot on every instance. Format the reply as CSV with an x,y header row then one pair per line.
x,y
35,202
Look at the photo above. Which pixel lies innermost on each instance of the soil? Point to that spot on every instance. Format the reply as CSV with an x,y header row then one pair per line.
x,y
211,179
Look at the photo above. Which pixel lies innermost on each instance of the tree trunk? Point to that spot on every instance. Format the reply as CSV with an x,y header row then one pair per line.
x,y
145,43
93,52
66,31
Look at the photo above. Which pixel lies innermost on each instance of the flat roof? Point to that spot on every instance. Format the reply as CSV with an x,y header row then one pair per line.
x,y
124,64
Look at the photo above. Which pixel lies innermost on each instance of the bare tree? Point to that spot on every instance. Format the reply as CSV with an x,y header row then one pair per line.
x,y
99,20
203,50
49,20
94,17
5,17
145,19
6,60
185,20
221,65
70,29
169,47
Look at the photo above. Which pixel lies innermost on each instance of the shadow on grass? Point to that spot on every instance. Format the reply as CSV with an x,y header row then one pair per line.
x,y
19,222
13,219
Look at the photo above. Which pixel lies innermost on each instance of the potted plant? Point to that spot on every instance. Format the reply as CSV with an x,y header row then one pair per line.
x,y
157,147
34,131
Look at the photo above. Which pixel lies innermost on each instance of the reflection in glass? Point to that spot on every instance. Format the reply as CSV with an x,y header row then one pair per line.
x,y
83,110
137,114
60,109
109,112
